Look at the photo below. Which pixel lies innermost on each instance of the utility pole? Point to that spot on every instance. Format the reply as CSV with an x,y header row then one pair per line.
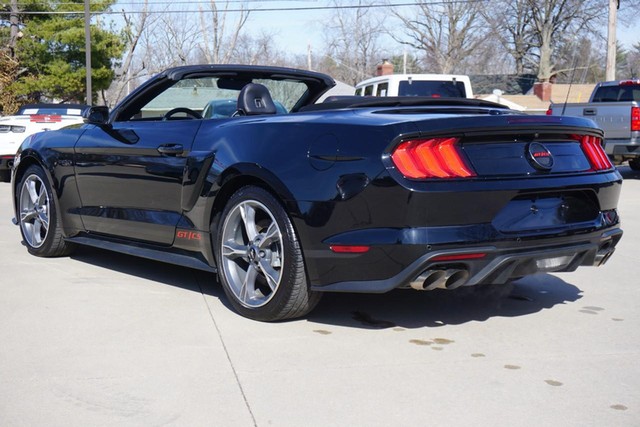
x,y
87,47
13,22
612,40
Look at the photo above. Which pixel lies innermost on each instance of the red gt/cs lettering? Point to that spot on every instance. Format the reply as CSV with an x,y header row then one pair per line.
x,y
188,235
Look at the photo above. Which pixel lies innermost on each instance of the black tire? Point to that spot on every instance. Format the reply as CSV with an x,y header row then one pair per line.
x,y
635,164
40,223
5,175
259,259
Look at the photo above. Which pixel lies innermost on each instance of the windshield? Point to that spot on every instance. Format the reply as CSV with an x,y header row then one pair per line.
x,y
215,97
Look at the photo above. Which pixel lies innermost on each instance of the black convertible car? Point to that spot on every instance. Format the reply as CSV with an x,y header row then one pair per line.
x,y
351,194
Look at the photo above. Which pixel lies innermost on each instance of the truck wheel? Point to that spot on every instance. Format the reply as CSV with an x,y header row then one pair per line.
x,y
259,259
635,164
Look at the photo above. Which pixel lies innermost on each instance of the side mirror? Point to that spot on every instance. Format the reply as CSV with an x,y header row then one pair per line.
x,y
96,115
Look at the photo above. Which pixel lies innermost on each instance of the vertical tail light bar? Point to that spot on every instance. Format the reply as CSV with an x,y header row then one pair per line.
x,y
635,118
431,158
592,147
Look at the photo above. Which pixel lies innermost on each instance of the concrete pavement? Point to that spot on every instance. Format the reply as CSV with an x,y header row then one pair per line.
x,y
102,339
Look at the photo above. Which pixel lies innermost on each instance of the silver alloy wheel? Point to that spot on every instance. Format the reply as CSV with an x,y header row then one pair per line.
x,y
252,253
34,211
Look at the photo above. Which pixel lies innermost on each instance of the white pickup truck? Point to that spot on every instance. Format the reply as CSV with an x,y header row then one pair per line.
x,y
615,107
31,119
433,85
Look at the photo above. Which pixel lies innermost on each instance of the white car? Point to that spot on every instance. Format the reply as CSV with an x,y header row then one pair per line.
x,y
31,119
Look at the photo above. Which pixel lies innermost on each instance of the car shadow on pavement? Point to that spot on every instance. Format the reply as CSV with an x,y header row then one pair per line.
x,y
405,308
415,309
163,273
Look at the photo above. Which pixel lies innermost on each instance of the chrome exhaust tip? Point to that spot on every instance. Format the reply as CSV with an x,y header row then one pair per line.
x,y
455,278
428,280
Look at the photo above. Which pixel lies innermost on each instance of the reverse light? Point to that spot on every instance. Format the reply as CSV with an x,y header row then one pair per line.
x,y
592,147
635,118
431,158
349,249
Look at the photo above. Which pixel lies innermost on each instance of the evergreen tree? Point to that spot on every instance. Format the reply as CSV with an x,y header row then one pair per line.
x,y
51,52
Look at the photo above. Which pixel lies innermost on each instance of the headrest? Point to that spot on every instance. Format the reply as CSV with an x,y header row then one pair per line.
x,y
254,99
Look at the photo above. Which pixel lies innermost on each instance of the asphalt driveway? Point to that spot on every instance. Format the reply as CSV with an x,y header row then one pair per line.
x,y
104,339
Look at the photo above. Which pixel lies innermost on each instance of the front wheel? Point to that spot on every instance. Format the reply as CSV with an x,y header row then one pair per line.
x,y
260,263
40,224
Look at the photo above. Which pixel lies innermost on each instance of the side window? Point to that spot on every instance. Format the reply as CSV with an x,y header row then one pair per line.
x,y
359,91
368,91
383,88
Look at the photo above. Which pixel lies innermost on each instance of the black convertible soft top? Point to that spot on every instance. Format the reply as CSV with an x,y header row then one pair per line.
x,y
338,102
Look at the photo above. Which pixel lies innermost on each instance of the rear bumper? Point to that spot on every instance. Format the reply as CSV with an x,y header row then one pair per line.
x,y
499,264
622,147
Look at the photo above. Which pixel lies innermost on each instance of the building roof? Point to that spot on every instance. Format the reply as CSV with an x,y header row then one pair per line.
x,y
532,104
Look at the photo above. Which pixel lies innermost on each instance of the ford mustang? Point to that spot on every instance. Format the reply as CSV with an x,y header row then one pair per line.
x,y
350,194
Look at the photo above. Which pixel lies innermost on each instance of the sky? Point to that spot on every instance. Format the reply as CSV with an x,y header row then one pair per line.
x,y
296,29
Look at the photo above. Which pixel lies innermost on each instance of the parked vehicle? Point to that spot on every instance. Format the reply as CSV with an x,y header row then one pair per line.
x,y
355,194
431,85
28,120
615,107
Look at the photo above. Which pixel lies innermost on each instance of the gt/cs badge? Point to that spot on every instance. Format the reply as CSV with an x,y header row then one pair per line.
x,y
539,156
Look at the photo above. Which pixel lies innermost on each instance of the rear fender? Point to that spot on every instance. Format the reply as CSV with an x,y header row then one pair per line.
x,y
242,174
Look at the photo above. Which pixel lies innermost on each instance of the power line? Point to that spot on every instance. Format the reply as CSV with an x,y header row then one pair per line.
x,y
274,9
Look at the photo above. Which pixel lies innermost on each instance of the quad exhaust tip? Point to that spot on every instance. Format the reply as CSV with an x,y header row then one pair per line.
x,y
450,279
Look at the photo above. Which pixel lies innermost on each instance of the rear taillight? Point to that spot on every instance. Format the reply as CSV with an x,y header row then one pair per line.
x,y
431,158
550,112
592,147
635,118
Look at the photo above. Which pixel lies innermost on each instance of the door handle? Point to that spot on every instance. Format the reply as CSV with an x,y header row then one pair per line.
x,y
589,112
171,149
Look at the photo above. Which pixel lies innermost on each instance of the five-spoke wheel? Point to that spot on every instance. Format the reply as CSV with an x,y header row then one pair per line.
x,y
252,253
39,223
259,259
34,211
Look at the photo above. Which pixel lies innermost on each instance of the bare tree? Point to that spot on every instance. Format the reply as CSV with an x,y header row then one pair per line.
x,y
555,22
511,24
131,69
352,42
219,34
634,62
448,34
260,49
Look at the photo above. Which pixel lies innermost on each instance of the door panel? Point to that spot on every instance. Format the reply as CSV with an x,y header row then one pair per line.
x,y
130,178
